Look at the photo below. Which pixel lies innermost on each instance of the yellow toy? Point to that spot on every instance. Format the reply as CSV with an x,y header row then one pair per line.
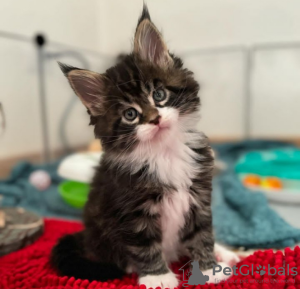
x,y
267,183
272,183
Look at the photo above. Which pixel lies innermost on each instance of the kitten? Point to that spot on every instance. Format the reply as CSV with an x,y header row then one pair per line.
x,y
150,199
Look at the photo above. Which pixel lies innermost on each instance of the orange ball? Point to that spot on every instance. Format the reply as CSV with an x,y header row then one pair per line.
x,y
273,183
252,180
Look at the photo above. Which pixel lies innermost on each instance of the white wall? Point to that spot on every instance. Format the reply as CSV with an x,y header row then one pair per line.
x,y
71,22
194,24
108,26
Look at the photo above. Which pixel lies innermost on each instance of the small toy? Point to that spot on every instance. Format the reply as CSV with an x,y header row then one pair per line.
x,y
273,172
272,183
281,163
251,180
40,180
79,167
74,193
78,170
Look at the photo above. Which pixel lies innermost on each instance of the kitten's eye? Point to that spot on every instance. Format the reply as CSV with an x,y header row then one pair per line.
x,y
159,95
130,114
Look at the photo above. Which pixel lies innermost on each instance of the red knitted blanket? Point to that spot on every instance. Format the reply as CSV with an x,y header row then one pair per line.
x,y
28,268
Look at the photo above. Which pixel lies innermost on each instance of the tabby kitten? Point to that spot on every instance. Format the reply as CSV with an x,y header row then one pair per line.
x,y
150,198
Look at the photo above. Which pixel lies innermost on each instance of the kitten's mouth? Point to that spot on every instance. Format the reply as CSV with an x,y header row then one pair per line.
x,y
152,132
159,129
163,126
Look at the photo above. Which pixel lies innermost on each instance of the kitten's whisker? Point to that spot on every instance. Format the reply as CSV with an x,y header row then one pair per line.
x,y
110,108
116,138
113,135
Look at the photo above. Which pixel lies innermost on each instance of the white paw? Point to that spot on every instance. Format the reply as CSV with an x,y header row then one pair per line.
x,y
219,276
225,255
168,280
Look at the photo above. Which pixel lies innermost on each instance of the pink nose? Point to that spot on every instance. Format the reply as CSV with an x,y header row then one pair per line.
x,y
155,121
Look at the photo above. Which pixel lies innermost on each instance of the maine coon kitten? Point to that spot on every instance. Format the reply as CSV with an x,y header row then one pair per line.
x,y
150,198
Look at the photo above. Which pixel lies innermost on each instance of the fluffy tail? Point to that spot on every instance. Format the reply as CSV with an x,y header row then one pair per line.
x,y
68,260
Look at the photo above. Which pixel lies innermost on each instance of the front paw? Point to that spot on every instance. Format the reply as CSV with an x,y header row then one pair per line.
x,y
167,280
225,255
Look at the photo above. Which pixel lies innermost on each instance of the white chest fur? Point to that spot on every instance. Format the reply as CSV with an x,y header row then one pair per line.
x,y
173,163
174,166
173,210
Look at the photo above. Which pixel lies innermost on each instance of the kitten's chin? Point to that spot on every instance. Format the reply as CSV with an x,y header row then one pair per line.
x,y
153,133
161,133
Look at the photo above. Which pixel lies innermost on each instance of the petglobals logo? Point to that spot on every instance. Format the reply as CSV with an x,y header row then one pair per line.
x,y
194,276
261,270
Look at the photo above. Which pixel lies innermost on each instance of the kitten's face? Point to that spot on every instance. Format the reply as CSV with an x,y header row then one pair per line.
x,y
146,99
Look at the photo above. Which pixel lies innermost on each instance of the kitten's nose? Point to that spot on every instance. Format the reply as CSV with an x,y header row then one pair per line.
x,y
155,120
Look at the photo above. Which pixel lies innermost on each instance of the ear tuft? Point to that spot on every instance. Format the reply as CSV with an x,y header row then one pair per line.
x,y
65,68
145,15
148,42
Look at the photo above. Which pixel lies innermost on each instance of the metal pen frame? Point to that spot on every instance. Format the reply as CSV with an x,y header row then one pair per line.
x,y
41,43
249,53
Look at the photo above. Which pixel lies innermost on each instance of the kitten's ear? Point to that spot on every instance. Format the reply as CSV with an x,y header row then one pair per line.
x,y
148,42
88,86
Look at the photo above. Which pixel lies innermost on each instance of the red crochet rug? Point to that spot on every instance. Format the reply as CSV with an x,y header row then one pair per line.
x,y
28,268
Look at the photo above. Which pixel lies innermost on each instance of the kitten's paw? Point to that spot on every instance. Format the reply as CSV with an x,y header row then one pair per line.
x,y
229,257
225,255
219,276
168,280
